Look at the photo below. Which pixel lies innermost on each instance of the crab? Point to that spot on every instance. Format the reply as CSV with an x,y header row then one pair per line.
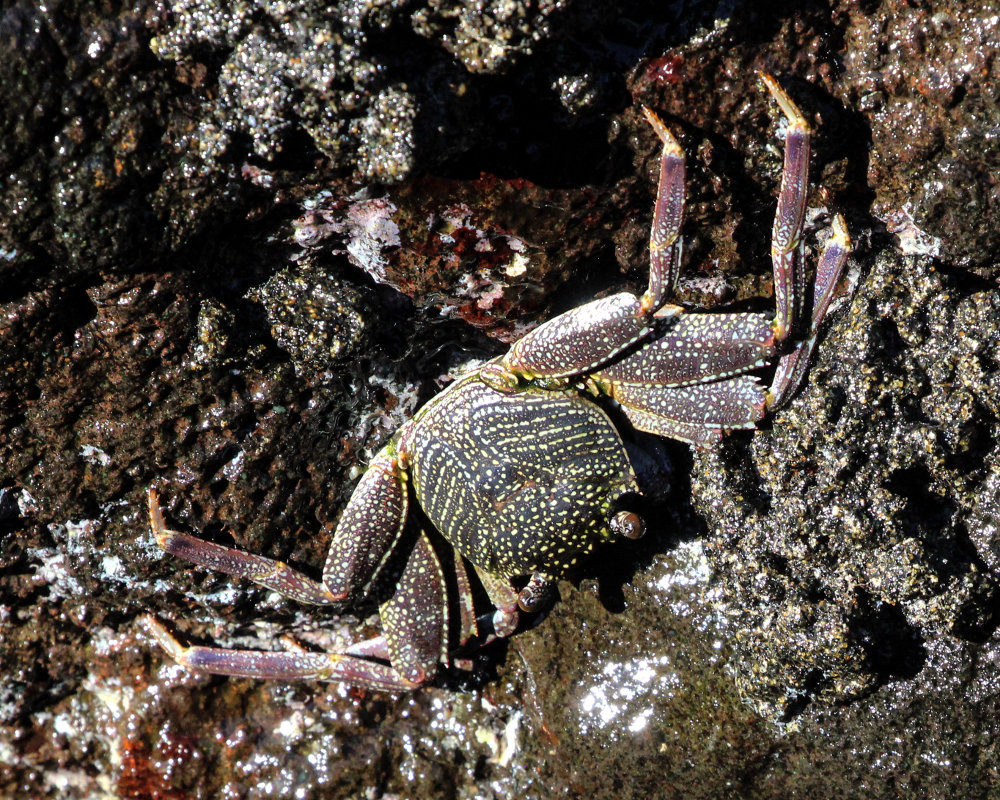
x,y
517,466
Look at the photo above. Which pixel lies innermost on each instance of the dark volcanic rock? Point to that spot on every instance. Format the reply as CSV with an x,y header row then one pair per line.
x,y
241,243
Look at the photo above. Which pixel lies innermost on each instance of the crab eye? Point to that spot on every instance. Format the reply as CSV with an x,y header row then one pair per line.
x,y
535,593
627,524
527,601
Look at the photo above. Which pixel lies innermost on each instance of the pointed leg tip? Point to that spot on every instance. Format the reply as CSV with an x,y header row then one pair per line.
x,y
156,523
784,101
153,502
840,231
652,117
163,637
157,526
769,81
670,144
154,627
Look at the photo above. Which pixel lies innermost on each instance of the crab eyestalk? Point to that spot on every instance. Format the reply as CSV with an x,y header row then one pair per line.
x,y
536,593
627,524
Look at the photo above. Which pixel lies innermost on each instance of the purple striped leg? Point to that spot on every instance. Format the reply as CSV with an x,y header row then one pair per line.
x,y
407,654
580,340
415,621
792,366
276,575
369,528
668,215
690,381
786,235
287,665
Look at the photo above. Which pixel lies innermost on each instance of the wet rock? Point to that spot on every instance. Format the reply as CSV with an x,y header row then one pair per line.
x,y
451,246
834,572
487,37
314,318
920,75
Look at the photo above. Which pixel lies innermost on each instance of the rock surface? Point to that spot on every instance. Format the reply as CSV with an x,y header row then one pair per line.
x,y
241,243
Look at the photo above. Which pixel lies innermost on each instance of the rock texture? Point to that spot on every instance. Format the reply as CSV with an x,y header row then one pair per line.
x,y
241,242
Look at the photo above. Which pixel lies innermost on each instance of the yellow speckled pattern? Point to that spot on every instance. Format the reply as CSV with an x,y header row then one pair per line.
x,y
519,483
415,617
580,339
695,348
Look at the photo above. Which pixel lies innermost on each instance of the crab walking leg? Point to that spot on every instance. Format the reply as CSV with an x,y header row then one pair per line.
x,y
466,607
369,527
414,619
580,340
668,214
276,575
415,640
700,413
792,367
789,217
731,403
368,530
281,665
692,348
571,344
660,425
830,268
